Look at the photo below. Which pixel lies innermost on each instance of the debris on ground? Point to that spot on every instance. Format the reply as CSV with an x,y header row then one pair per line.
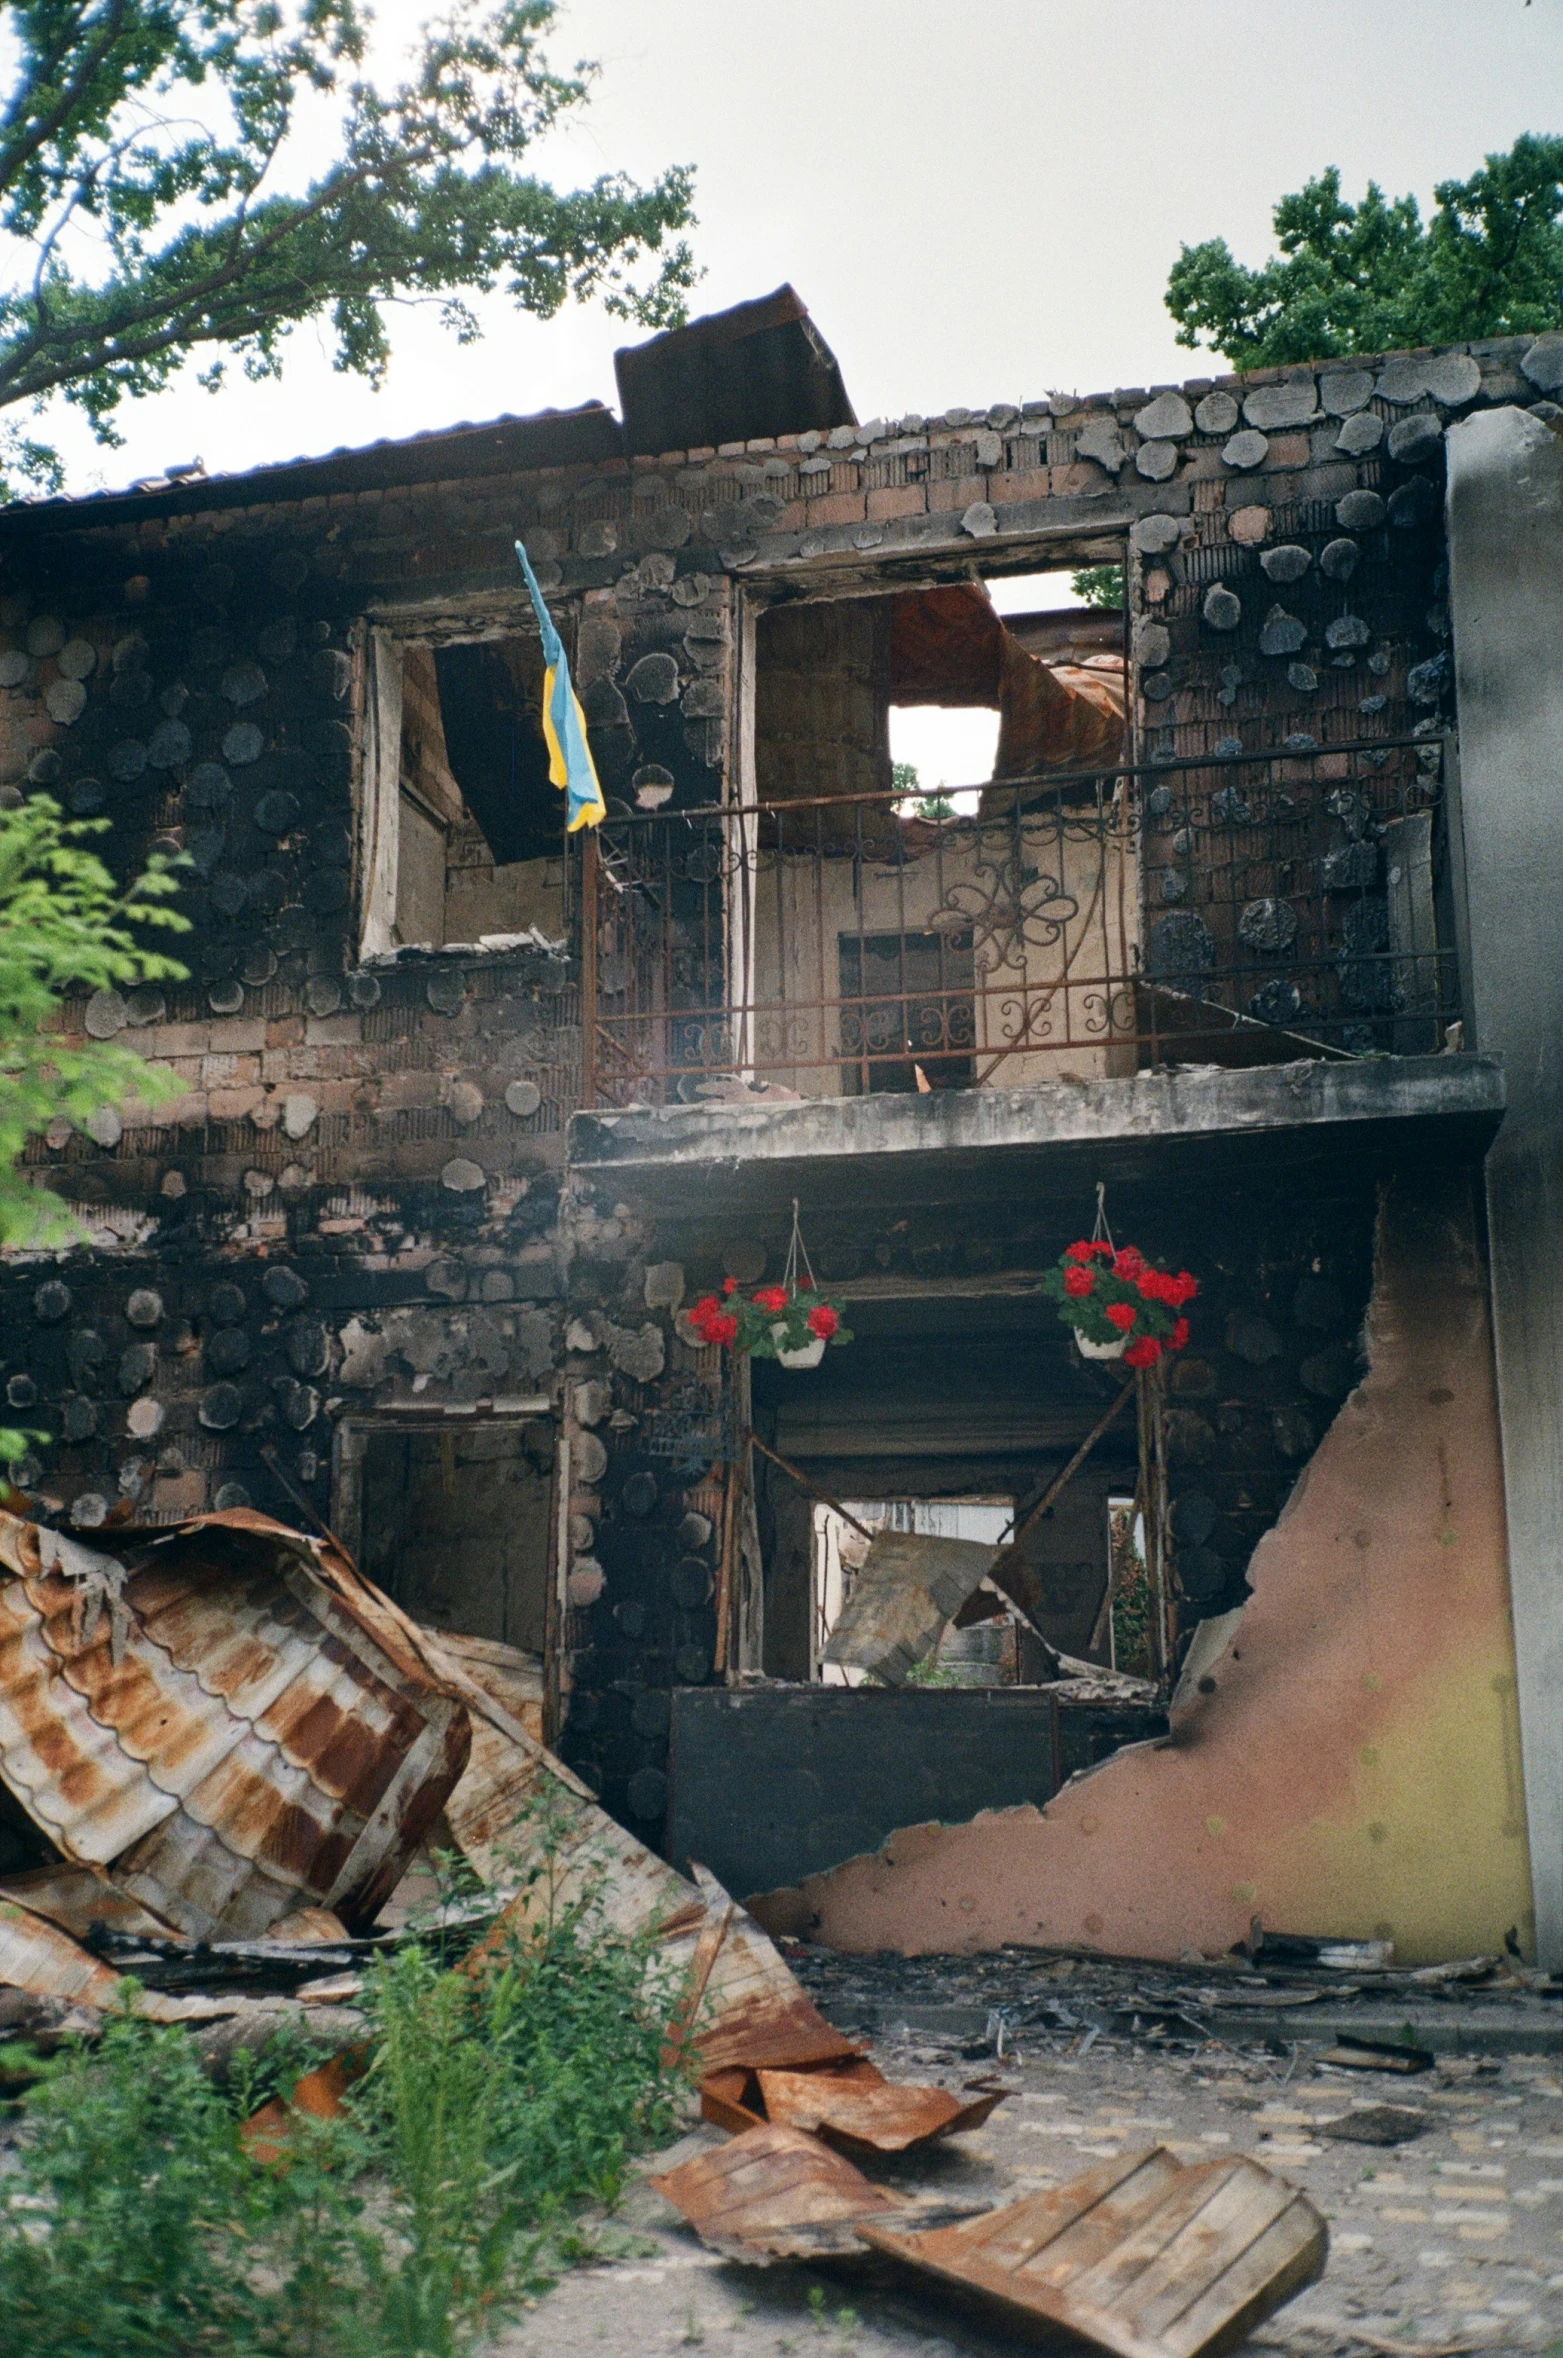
x,y
850,2104
1377,2124
40,1962
774,2193
1145,2256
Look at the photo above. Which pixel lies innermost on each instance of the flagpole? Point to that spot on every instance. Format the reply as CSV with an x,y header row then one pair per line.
x,y
589,968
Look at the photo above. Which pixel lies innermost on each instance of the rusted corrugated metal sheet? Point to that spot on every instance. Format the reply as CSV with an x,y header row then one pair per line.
x,y
847,2101
774,2194
36,1955
855,2105
1142,2257
253,1731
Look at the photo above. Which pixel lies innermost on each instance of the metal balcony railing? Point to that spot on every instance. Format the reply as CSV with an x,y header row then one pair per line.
x,y
1226,910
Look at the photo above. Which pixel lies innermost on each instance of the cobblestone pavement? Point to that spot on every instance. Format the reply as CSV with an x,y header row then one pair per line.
x,y
1452,2240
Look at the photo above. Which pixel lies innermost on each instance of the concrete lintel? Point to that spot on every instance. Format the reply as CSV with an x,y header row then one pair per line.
x,y
1206,1119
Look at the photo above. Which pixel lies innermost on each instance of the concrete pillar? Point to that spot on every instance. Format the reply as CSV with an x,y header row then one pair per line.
x,y
1506,580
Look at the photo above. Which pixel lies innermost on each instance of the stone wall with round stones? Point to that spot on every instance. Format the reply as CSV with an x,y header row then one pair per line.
x,y
358,1198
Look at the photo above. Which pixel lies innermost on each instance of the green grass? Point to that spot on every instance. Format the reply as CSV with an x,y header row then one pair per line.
x,y
496,2105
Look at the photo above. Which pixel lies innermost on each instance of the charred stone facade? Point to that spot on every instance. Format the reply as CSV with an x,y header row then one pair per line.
x,y
362,1206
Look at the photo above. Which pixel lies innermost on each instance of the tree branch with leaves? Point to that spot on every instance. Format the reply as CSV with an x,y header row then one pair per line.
x,y
1374,277
152,207
66,925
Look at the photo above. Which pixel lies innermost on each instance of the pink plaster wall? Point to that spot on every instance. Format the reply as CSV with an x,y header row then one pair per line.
x,y
1355,1770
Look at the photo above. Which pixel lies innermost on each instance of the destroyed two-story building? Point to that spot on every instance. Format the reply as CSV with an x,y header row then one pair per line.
x,y
1254,925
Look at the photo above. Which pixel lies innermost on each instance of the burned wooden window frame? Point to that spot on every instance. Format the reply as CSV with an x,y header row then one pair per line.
x,y
384,635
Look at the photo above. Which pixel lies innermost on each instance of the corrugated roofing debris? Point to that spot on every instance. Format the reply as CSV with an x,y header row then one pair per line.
x,y
37,1956
245,1730
774,2194
529,1827
848,2102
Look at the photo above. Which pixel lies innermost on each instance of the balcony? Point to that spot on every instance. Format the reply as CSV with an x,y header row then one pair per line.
x,y
1240,912
767,984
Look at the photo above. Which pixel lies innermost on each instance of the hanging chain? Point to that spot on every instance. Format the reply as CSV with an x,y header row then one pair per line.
x,y
1101,1233
795,1248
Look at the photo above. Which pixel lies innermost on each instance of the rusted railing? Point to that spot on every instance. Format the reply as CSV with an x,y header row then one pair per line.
x,y
1186,912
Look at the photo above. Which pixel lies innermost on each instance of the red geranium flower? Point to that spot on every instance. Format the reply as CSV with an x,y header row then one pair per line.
x,y
729,1285
1121,1315
1143,1353
1080,1251
1079,1282
771,1297
1128,1263
823,1320
723,1328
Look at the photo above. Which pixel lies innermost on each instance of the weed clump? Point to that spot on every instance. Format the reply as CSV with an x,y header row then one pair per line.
x,y
495,2098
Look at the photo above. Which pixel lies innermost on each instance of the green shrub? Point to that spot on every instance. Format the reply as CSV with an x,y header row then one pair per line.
x,y
496,2101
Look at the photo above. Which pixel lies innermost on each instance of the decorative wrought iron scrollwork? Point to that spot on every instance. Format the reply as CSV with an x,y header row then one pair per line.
x,y
1008,904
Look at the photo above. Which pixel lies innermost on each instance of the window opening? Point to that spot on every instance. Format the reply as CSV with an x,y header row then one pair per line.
x,y
946,732
456,1527
985,1656
479,829
908,1012
1129,1625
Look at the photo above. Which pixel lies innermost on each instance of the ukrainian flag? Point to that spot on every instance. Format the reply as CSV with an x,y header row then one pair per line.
x,y
570,763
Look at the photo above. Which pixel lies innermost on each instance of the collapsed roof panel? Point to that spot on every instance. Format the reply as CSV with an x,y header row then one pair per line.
x,y
227,1721
759,369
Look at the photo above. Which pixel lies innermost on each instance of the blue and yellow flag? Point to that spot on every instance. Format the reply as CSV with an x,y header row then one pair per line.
x,y
570,763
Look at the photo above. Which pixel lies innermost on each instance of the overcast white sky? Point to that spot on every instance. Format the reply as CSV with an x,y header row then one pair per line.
x,y
978,202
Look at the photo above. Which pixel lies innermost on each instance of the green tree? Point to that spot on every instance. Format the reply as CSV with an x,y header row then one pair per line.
x,y
66,925
1099,585
1374,277
155,203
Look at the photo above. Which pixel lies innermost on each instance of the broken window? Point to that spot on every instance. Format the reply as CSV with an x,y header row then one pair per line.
x,y
464,832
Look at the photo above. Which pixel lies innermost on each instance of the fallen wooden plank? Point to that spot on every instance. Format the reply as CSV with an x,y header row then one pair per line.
x,y
1142,2257
774,2194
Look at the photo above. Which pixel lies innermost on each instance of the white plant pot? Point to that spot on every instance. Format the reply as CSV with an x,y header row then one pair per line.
x,y
808,1354
1090,1350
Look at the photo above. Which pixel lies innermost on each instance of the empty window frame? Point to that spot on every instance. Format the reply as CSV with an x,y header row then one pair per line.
x,y
463,832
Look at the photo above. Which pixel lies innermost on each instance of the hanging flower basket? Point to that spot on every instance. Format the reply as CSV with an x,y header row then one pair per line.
x,y
790,1323
1120,1305
771,1324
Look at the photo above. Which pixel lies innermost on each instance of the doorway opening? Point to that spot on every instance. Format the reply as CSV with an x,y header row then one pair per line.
x,y
456,1524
